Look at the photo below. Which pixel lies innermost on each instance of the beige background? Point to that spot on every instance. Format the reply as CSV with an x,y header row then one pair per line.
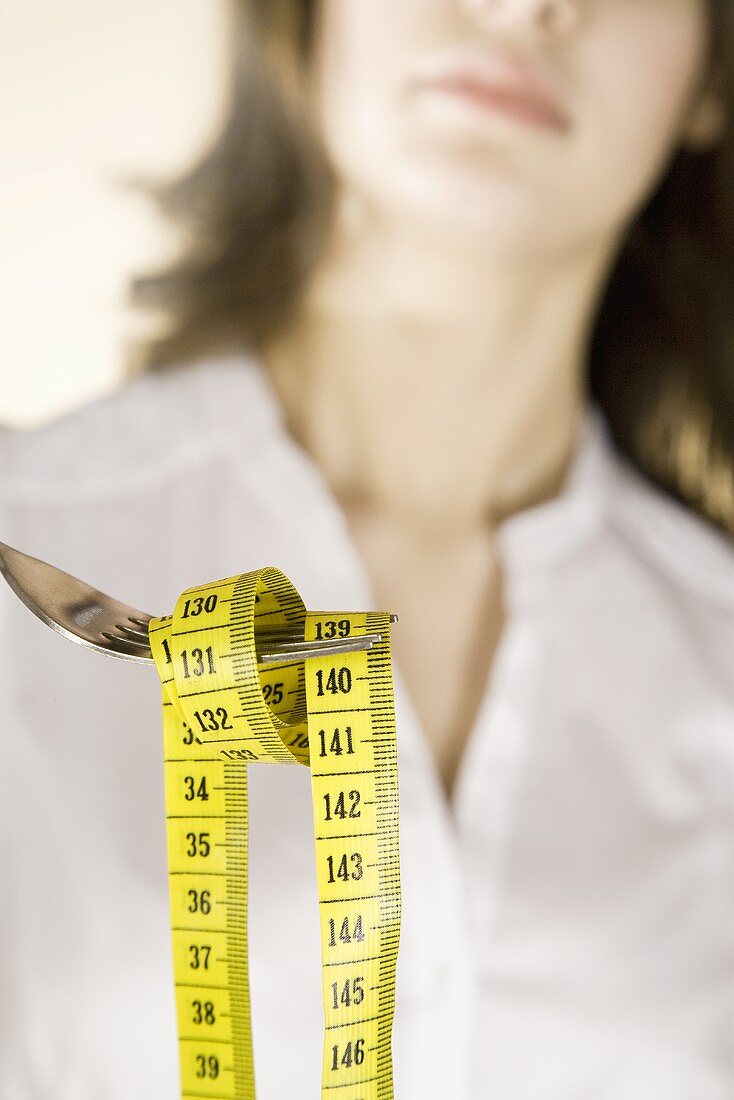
x,y
89,91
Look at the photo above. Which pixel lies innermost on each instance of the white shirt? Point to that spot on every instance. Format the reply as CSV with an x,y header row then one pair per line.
x,y
568,923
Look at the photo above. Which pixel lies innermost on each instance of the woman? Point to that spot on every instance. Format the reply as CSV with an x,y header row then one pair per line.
x,y
451,338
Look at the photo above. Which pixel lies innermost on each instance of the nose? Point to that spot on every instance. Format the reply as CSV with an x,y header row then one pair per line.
x,y
554,16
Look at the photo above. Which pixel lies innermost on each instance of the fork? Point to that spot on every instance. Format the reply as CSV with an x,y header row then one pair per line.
x,y
90,617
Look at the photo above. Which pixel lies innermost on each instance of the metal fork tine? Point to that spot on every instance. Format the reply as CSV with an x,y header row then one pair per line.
x,y
130,641
277,641
138,635
322,644
315,649
144,623
283,650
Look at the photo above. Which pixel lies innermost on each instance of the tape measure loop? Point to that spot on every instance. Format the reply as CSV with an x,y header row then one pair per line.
x,y
221,711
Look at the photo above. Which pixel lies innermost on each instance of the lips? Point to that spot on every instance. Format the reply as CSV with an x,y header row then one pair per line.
x,y
493,82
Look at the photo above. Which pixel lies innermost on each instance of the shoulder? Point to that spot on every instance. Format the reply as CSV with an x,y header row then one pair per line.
x,y
151,425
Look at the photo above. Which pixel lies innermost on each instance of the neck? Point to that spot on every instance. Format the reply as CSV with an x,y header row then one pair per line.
x,y
438,387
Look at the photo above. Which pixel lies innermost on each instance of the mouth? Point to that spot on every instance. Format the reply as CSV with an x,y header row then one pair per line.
x,y
491,83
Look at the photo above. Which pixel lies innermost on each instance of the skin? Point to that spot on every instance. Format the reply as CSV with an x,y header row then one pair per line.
x,y
454,303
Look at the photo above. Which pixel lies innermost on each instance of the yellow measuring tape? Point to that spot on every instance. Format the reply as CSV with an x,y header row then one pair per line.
x,y
221,712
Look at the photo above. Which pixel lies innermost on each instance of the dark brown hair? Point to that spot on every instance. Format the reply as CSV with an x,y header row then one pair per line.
x,y
256,210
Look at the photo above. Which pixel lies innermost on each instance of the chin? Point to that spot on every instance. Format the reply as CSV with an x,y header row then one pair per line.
x,y
484,206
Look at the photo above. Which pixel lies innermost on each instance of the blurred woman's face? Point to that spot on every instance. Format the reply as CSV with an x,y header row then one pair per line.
x,y
534,126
